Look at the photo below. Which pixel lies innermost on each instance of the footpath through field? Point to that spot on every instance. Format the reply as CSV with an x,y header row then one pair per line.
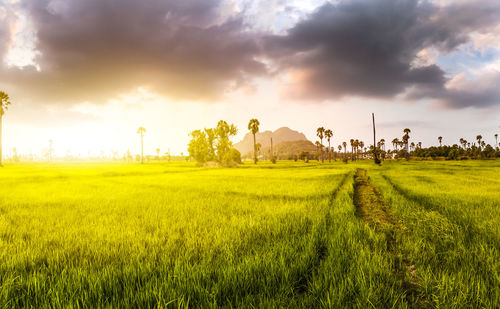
x,y
374,211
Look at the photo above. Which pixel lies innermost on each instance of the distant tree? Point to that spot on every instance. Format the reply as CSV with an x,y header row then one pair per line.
x,y
4,106
141,131
479,138
211,137
320,132
406,138
328,135
253,126
440,139
356,145
224,132
318,146
395,143
158,152
361,146
352,149
496,141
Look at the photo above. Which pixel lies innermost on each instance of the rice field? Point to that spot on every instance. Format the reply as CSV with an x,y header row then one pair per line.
x,y
285,235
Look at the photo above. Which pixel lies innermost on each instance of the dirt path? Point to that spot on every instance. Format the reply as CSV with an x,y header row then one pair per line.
x,y
374,211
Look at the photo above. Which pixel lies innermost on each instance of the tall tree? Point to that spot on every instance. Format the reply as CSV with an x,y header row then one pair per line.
x,y
440,139
328,135
406,137
141,131
395,143
320,132
496,141
352,149
345,149
4,105
253,126
356,145
224,131
318,145
479,138
211,137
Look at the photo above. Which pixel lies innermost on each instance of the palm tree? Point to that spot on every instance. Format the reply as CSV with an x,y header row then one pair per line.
x,y
382,143
320,133
352,149
395,143
4,105
356,145
479,138
318,145
406,137
412,146
141,131
361,145
340,149
496,141
440,139
253,126
345,148
329,134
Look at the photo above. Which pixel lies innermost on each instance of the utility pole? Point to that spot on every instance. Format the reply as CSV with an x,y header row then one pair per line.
x,y
374,141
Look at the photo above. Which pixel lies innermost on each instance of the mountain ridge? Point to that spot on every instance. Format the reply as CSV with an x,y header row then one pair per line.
x,y
282,134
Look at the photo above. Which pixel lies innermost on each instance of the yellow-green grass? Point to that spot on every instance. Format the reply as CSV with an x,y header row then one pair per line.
x,y
284,235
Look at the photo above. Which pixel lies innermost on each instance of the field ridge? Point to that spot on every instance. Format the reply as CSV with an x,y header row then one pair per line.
x,y
372,209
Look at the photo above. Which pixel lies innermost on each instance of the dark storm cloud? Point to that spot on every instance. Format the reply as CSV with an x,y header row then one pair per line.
x,y
368,48
96,49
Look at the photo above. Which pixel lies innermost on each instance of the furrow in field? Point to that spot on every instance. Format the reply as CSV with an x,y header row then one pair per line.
x,y
373,210
471,230
320,242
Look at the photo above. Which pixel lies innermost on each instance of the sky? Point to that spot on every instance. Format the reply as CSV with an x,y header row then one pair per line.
x,y
87,74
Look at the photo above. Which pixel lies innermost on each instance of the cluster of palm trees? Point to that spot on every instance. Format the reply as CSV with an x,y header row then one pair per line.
x,y
321,132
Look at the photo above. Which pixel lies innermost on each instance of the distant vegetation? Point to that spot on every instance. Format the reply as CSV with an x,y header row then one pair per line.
x,y
214,145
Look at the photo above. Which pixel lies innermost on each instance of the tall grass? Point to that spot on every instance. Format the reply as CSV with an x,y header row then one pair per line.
x,y
451,213
284,235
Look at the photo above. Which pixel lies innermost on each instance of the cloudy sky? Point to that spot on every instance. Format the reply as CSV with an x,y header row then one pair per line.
x,y
87,73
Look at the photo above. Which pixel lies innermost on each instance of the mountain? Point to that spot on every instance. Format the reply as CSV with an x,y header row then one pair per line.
x,y
287,150
283,134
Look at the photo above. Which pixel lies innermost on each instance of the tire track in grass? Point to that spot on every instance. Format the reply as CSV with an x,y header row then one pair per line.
x,y
372,209
471,231
302,286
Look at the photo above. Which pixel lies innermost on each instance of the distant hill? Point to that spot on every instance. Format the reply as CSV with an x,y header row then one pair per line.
x,y
283,134
286,150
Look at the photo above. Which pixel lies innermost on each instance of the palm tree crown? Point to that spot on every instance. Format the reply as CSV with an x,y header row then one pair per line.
x,y
253,125
4,102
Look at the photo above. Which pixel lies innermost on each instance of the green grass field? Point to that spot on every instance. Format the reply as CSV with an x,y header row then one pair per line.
x,y
284,235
